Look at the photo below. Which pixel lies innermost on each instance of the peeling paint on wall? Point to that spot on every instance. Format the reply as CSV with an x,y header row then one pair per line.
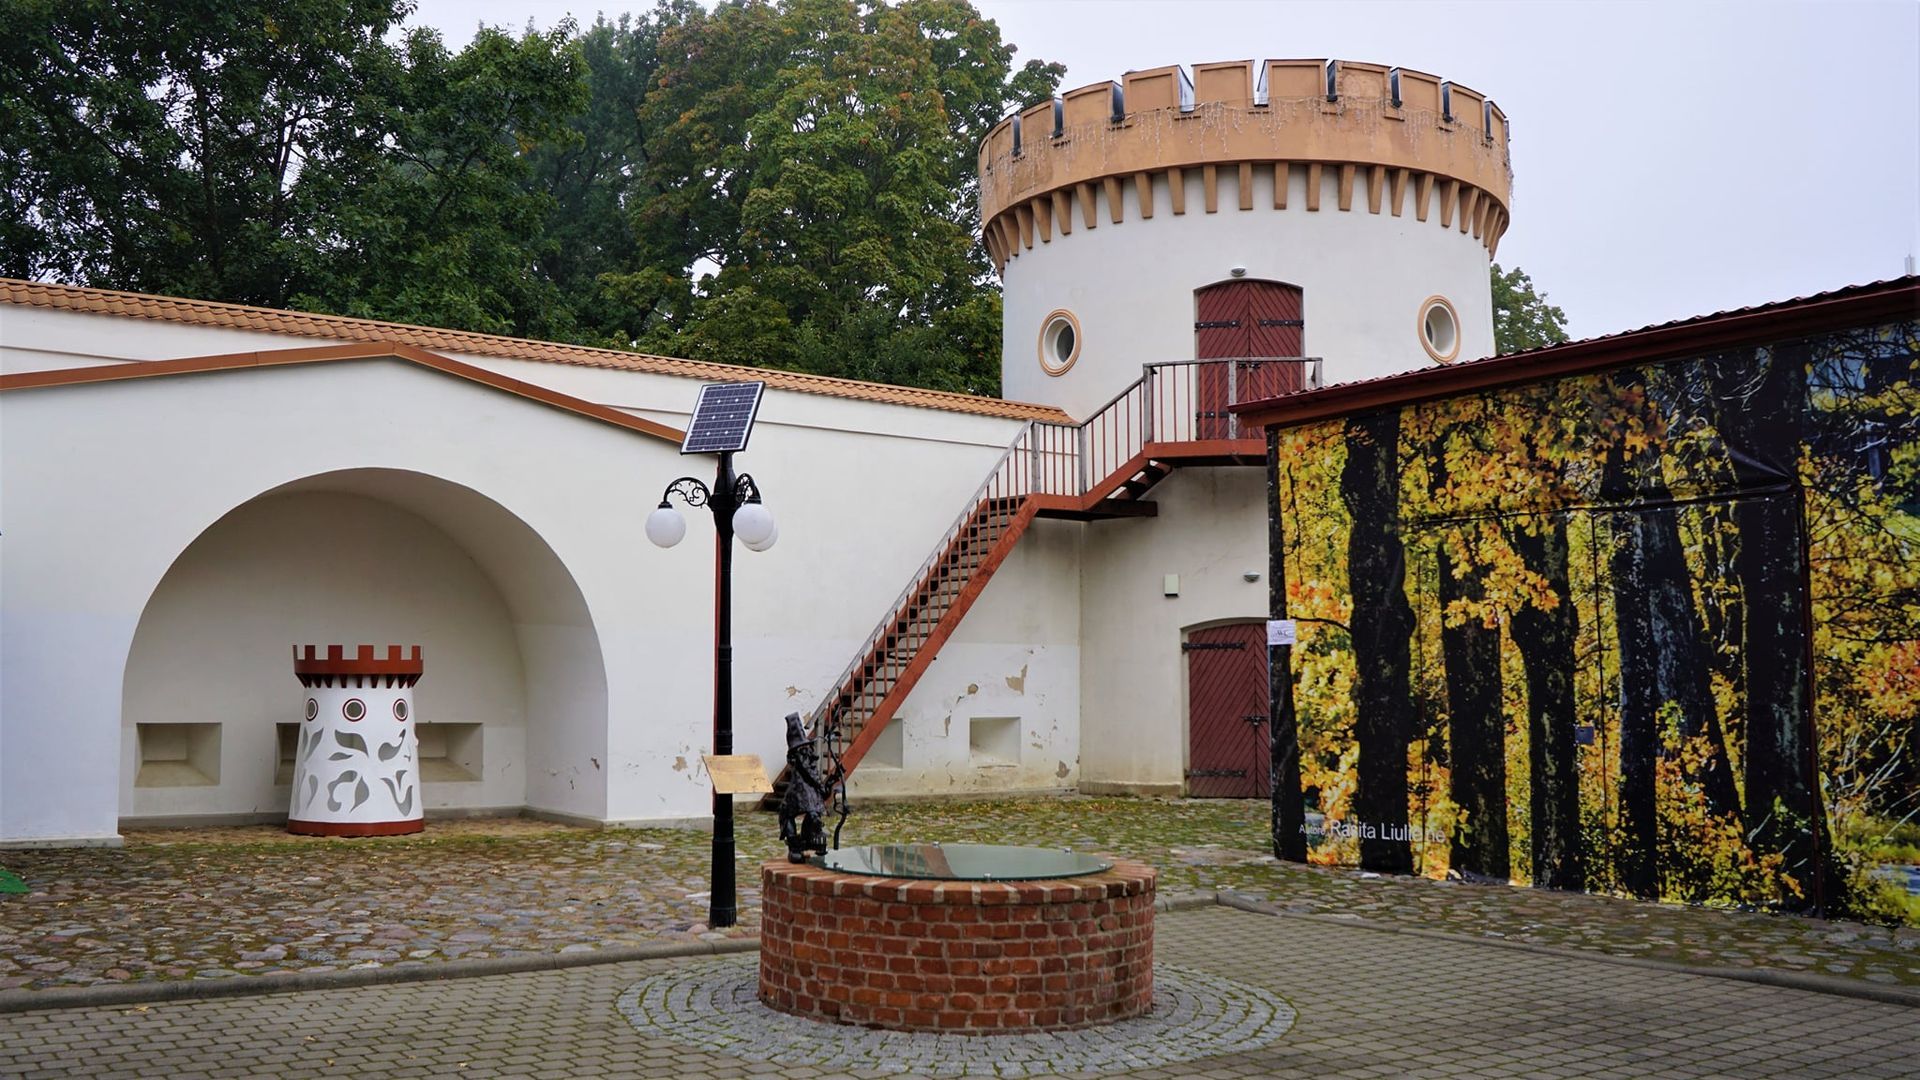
x,y
1018,683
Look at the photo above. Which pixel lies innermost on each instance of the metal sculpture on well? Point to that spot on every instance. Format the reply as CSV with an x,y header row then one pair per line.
x,y
803,807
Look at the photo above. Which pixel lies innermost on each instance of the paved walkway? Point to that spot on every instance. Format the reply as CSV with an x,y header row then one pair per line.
x,y
1369,1004
215,903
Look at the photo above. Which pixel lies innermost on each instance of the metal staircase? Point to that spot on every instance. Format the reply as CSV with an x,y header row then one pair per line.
x,y
1175,415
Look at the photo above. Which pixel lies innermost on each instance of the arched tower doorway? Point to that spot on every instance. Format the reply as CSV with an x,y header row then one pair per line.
x,y
1248,323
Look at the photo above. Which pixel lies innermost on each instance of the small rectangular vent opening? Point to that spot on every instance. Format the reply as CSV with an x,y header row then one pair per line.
x,y
288,739
994,740
450,753
177,755
888,751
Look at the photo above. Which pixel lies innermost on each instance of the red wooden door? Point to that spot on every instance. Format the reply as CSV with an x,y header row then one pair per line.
x,y
1227,691
1244,322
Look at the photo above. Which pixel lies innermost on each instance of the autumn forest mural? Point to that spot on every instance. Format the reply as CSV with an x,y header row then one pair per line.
x,y
1653,631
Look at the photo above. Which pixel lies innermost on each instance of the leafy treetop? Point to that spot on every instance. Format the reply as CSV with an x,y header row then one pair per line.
x,y
1522,318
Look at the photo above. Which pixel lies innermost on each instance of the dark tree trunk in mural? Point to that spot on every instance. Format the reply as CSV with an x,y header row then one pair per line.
x,y
1546,642
1762,405
1639,838
1476,723
1476,732
1382,632
1289,811
1662,653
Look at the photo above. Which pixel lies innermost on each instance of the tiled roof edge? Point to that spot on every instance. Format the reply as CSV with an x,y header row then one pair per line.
x,y
1852,305
342,328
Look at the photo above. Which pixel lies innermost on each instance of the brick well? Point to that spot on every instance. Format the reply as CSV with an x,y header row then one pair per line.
x,y
971,957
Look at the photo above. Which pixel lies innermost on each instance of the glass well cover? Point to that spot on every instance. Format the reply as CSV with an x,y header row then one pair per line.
x,y
962,862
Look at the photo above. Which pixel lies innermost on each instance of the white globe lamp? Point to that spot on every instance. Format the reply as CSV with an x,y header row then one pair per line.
x,y
753,524
665,526
773,534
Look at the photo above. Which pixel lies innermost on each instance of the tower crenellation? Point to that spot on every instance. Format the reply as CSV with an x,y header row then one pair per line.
x,y
1395,140
1360,202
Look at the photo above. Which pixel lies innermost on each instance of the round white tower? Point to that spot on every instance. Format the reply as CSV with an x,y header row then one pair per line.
x,y
1308,208
356,771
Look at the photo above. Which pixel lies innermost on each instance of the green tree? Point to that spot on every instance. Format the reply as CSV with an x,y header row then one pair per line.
x,y
192,147
1522,318
811,166
785,184
591,254
451,228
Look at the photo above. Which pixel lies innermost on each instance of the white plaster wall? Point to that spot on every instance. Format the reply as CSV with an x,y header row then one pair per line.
x,y
36,339
1016,654
106,485
1211,530
858,514
1364,279
46,339
318,568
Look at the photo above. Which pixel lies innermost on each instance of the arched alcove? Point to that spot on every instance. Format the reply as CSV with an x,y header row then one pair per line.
x,y
514,700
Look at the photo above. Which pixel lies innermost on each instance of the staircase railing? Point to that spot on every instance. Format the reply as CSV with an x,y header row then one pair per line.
x,y
1011,478
1183,401
1179,401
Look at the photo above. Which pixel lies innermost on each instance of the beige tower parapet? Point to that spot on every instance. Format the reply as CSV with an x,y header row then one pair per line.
x,y
1395,141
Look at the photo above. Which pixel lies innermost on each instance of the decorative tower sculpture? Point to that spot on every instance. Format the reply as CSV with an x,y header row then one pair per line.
x,y
356,766
1248,212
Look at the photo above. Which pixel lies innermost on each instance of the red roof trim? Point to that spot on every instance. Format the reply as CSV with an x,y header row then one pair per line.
x,y
31,380
1786,320
339,328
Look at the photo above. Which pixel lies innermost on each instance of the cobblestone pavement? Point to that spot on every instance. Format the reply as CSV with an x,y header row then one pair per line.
x,y
716,1006
221,902
1370,1004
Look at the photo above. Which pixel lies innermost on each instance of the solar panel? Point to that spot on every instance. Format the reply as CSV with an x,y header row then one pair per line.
x,y
722,418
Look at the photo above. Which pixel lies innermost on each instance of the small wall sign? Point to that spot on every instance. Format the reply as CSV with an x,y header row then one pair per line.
x,y
737,774
1279,632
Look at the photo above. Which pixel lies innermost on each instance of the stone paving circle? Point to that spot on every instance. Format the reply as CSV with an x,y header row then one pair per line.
x,y
715,1006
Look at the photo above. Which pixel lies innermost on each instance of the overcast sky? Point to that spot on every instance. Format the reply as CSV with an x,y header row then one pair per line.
x,y
1670,158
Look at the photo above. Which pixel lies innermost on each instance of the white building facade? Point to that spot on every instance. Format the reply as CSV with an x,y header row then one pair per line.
x,y
187,489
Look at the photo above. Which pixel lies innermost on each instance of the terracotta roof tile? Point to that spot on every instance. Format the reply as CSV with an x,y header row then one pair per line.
x,y
340,328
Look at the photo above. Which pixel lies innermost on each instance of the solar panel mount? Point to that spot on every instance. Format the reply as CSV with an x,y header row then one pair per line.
x,y
723,417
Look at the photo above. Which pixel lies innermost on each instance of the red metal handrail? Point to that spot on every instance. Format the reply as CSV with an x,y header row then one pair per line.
x,y
1174,402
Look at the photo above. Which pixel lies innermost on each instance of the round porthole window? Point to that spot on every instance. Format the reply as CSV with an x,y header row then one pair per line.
x,y
400,709
354,710
1439,329
1059,342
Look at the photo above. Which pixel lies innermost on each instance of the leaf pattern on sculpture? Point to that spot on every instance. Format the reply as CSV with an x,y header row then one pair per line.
x,y
333,801
404,803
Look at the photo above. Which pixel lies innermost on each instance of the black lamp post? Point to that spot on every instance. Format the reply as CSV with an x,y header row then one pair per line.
x,y
735,502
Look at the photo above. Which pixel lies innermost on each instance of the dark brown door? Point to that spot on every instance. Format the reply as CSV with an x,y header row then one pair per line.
x,y
1244,321
1228,755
